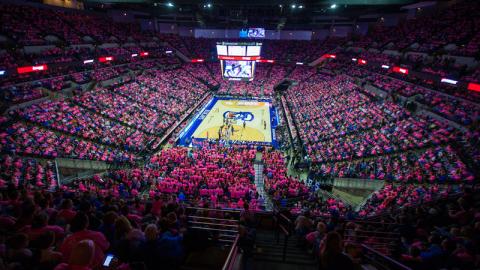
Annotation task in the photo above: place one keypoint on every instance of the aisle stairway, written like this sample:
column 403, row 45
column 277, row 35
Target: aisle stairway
column 268, row 254
column 260, row 184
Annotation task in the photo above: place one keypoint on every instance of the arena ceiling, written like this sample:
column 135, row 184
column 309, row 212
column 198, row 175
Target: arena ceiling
column 263, row 2
column 292, row 14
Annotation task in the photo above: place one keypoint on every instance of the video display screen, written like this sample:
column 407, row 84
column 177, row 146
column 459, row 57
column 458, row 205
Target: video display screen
column 256, row 32
column 222, row 50
column 236, row 50
column 252, row 33
column 238, row 69
column 253, row 50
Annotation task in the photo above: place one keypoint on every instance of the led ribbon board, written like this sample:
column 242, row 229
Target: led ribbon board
column 29, row 69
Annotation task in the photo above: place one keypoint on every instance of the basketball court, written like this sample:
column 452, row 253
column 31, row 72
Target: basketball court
column 233, row 120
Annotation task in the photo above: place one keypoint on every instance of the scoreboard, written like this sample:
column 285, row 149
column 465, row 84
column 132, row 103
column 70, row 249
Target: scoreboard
column 237, row 60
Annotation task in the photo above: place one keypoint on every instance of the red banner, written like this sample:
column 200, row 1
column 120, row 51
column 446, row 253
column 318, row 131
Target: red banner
column 105, row 59
column 400, row 70
column 265, row 61
column 240, row 58
column 29, row 69
column 474, row 87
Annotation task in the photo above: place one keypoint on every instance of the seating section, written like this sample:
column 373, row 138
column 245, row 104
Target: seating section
column 29, row 25
column 277, row 184
column 86, row 218
column 29, row 140
column 72, row 119
column 396, row 197
column 457, row 106
column 341, row 125
column 435, row 164
column 223, row 177
column 429, row 31
column 27, row 173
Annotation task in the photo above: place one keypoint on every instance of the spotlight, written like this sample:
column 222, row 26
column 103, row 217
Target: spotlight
column 294, row 6
column 209, row 5
column 332, row 6
column 300, row 6
column 169, row 4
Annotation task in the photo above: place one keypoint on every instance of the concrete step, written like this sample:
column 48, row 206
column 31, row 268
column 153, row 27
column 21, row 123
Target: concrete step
column 290, row 252
column 279, row 248
column 270, row 252
column 288, row 258
column 279, row 259
column 291, row 241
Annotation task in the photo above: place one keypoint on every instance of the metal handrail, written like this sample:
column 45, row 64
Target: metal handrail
column 221, row 219
column 284, row 230
column 285, row 218
column 213, row 224
column 392, row 262
column 365, row 221
column 284, row 225
column 373, row 232
column 212, row 229
column 232, row 255
column 214, row 209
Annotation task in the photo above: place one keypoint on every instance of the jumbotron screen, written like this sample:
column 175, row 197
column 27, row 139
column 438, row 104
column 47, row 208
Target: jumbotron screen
column 237, row 60
column 252, row 33
column 232, row 69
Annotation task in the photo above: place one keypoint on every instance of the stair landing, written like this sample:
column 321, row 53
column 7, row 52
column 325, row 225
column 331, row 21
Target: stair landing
column 269, row 254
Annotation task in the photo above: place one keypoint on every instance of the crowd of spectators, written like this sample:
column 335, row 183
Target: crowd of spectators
column 349, row 133
column 429, row 31
column 277, row 183
column 432, row 165
column 30, row 140
column 217, row 176
column 27, row 173
column 64, row 116
column 77, row 228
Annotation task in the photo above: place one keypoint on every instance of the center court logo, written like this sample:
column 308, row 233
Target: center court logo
column 242, row 116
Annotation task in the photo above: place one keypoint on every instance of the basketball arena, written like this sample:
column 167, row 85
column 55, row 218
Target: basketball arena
column 239, row 135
